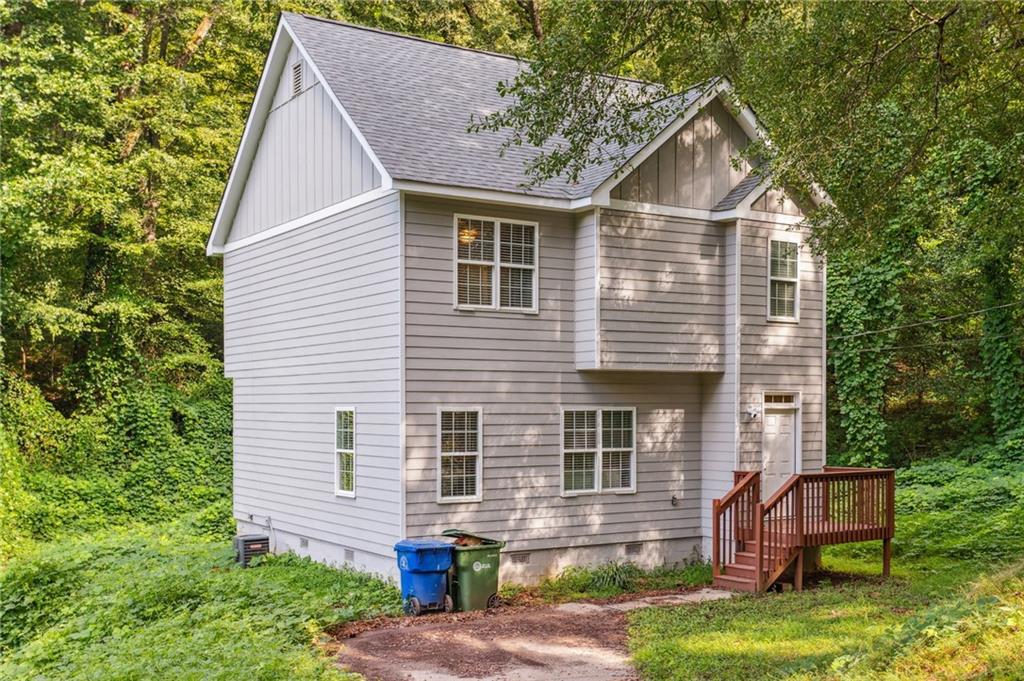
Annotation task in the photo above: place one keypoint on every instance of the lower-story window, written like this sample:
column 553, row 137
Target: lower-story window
column 459, row 455
column 598, row 450
column 345, row 451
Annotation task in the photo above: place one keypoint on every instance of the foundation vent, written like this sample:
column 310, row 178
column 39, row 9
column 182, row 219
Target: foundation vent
column 303, row 543
column 350, row 556
column 634, row 549
column 520, row 558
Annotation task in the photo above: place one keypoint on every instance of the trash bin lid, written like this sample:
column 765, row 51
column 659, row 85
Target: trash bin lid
column 421, row 545
column 462, row 534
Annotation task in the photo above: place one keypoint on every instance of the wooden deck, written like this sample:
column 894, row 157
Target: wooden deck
column 836, row 506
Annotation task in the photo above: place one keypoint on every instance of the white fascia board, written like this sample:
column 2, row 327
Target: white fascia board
column 386, row 180
column 601, row 195
column 704, row 214
column 250, row 141
column 491, row 196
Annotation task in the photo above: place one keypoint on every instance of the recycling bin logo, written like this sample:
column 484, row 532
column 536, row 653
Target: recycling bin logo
column 478, row 566
column 403, row 563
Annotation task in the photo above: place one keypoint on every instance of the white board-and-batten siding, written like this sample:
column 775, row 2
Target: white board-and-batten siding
column 312, row 322
column 307, row 159
column 520, row 369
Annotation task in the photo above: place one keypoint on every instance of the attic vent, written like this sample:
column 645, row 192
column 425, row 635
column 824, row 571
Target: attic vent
column 296, row 78
column 634, row 549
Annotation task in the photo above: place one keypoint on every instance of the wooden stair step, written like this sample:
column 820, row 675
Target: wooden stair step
column 735, row 583
column 740, row 570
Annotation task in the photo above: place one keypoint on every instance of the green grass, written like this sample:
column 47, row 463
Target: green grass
column 158, row 603
column 958, row 520
column 608, row 581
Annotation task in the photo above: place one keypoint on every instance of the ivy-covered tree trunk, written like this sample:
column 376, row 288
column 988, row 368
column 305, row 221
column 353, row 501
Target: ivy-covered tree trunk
column 999, row 348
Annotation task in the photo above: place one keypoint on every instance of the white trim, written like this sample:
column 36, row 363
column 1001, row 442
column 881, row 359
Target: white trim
column 824, row 361
column 796, row 408
column 494, row 196
column 598, row 452
column 479, row 496
column 597, row 287
column 704, row 214
column 261, row 103
column 338, row 492
column 402, row 467
column 385, row 176
column 782, row 238
column 495, row 265
column 602, row 194
column 737, row 345
column 307, row 219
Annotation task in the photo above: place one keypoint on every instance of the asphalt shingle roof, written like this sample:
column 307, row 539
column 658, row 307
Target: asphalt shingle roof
column 738, row 193
column 412, row 99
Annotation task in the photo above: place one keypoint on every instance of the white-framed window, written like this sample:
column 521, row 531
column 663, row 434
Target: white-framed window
column 598, row 450
column 345, row 451
column 783, row 279
column 459, row 455
column 495, row 264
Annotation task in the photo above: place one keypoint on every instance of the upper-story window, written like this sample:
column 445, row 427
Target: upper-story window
column 783, row 280
column 496, row 264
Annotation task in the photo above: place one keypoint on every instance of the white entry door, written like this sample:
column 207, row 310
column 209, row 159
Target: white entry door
column 779, row 449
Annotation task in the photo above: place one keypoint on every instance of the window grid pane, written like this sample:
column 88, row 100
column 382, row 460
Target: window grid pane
column 516, row 287
column 616, row 469
column 475, row 284
column 580, row 430
column 782, row 299
column 344, row 430
column 458, row 475
column 617, row 429
column 517, row 244
column 579, row 471
column 784, row 259
column 346, row 471
column 476, row 240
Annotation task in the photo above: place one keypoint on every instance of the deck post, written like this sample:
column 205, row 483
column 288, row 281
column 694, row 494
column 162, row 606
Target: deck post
column 886, row 556
column 798, row 579
column 715, row 558
column 758, row 546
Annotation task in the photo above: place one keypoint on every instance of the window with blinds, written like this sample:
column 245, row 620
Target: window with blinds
column 783, row 280
column 459, row 452
column 345, row 451
column 598, row 450
column 496, row 264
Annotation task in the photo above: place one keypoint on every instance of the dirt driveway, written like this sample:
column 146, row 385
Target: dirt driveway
column 573, row 641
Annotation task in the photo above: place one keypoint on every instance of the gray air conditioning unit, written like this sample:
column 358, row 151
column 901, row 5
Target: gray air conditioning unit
column 248, row 546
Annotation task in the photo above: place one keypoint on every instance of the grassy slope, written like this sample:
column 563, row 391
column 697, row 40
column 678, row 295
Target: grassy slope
column 956, row 521
column 156, row 603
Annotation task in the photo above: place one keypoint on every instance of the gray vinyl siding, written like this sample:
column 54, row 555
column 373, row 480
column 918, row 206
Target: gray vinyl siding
column 312, row 322
column 307, row 159
column 694, row 168
column 662, row 293
column 519, row 369
column 720, row 407
column 780, row 356
column 586, row 310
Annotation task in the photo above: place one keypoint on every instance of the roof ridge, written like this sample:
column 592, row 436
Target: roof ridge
column 407, row 36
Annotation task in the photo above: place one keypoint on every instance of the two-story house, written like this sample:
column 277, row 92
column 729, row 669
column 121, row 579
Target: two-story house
column 417, row 342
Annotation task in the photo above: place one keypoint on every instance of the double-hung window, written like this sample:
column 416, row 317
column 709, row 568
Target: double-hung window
column 496, row 264
column 459, row 455
column 598, row 450
column 345, row 452
column 783, row 280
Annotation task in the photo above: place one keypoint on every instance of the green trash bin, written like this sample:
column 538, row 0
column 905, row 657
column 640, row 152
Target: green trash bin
column 474, row 572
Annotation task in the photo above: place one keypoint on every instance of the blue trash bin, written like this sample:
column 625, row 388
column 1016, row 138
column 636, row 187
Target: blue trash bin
column 423, row 565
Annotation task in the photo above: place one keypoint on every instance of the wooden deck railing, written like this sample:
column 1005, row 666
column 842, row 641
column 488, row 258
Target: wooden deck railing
column 835, row 506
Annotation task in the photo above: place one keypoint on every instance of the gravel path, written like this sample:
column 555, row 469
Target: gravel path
column 573, row 641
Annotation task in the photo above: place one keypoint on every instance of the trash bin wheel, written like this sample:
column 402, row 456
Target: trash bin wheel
column 492, row 602
column 413, row 606
column 449, row 605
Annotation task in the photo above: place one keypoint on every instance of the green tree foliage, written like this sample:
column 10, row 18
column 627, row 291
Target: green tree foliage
column 907, row 114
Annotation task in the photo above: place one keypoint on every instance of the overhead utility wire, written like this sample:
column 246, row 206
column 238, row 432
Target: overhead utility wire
column 927, row 321
column 953, row 341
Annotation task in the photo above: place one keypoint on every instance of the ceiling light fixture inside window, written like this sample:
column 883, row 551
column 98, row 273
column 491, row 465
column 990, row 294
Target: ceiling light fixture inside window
column 468, row 234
